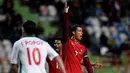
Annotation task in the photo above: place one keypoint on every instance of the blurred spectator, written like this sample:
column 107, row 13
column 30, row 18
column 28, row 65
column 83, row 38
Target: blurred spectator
column 48, row 13
column 40, row 32
column 116, row 5
column 86, row 40
column 98, row 10
column 94, row 45
column 3, row 57
column 8, row 47
column 125, row 47
column 43, row 10
column 7, row 6
column 126, row 51
column 51, row 13
column 76, row 16
column 13, row 24
column 116, row 37
column 103, row 40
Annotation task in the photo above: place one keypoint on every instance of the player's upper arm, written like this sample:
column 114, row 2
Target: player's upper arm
column 14, row 53
column 85, row 55
column 51, row 52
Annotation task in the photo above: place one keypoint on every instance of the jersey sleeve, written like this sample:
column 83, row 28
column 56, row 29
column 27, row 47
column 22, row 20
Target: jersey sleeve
column 85, row 55
column 14, row 53
column 87, row 63
column 51, row 52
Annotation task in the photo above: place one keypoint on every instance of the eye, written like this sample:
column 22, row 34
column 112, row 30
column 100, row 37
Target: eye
column 58, row 43
column 80, row 30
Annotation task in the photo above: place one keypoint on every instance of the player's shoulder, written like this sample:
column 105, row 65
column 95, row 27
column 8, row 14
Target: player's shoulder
column 17, row 42
column 33, row 38
column 69, row 41
column 30, row 38
column 45, row 42
column 82, row 45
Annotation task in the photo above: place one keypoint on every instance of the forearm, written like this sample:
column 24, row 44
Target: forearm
column 60, row 52
column 88, row 65
column 66, row 26
column 60, row 63
column 92, row 64
column 65, row 33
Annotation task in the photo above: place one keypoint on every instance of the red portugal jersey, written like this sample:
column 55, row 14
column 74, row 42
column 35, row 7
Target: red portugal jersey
column 53, row 66
column 74, row 54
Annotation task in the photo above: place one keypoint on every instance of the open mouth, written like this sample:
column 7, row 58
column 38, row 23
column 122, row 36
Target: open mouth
column 80, row 36
column 57, row 49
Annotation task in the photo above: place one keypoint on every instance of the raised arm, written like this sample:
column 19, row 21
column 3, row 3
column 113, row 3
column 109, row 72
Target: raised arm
column 65, row 28
column 66, row 25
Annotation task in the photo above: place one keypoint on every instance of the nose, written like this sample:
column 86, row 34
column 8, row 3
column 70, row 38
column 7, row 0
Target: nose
column 81, row 33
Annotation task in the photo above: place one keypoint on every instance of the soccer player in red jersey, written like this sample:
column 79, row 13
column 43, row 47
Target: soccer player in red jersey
column 53, row 65
column 76, row 53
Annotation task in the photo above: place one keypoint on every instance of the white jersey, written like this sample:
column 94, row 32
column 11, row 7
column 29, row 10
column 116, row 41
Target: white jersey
column 31, row 53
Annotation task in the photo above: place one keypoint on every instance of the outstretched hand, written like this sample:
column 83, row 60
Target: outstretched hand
column 66, row 8
column 97, row 65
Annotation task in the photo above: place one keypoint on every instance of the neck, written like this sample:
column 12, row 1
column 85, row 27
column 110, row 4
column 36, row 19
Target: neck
column 74, row 39
column 28, row 35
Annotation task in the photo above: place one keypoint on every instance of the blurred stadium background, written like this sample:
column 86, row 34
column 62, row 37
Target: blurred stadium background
column 106, row 24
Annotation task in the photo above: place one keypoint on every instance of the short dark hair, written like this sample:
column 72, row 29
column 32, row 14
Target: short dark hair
column 59, row 39
column 73, row 28
column 29, row 27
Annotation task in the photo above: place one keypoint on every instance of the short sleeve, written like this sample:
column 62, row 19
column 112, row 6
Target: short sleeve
column 85, row 55
column 14, row 53
column 51, row 52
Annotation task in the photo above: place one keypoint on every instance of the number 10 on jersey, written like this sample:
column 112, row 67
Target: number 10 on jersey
column 34, row 55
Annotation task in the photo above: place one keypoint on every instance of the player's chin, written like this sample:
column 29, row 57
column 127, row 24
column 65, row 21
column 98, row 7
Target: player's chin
column 80, row 38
